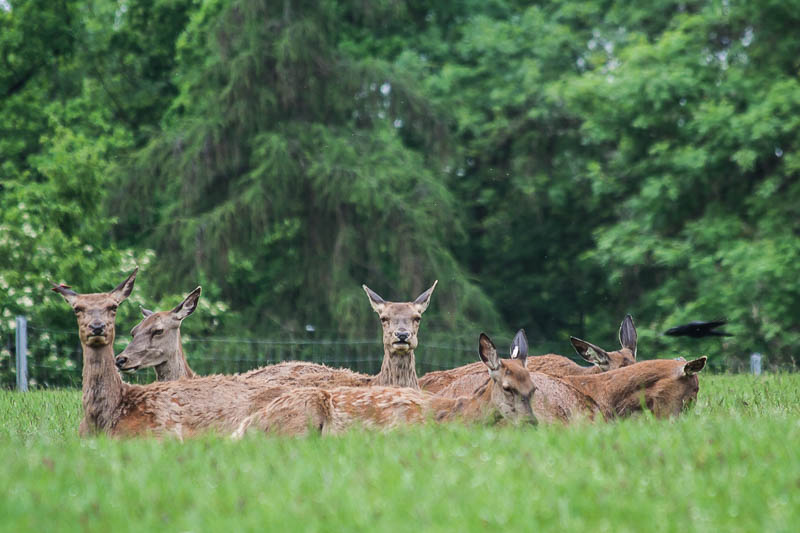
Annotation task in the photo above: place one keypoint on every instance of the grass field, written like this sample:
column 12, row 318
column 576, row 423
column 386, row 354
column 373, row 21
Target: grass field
column 731, row 464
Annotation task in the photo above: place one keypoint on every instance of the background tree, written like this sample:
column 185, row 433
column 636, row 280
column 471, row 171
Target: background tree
column 286, row 175
column 555, row 165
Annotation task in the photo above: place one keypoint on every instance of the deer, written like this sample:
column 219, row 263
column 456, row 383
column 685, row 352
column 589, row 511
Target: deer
column 664, row 387
column 506, row 395
column 156, row 343
column 179, row 408
column 400, row 323
column 552, row 364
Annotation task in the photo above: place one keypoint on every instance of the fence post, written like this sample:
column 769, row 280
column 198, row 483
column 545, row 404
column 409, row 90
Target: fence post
column 22, row 353
column 755, row 363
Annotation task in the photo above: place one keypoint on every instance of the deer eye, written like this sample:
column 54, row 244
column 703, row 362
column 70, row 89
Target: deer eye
column 112, row 309
column 157, row 332
column 384, row 319
column 79, row 310
column 416, row 319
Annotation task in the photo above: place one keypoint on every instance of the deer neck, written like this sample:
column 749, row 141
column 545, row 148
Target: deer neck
column 102, row 387
column 467, row 408
column 397, row 370
column 622, row 389
column 176, row 366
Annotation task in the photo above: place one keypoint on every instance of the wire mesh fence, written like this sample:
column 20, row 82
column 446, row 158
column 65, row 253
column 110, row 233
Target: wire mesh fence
column 55, row 356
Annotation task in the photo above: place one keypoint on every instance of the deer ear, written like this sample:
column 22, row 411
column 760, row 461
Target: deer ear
column 424, row 299
column 188, row 305
column 123, row 290
column 145, row 312
column 64, row 290
column 519, row 347
column 627, row 335
column 375, row 301
column 693, row 367
column 488, row 352
column 590, row 352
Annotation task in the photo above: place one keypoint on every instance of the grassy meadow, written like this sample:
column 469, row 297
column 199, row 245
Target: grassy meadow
column 731, row 464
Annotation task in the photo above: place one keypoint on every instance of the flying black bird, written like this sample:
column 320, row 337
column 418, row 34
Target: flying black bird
column 699, row 329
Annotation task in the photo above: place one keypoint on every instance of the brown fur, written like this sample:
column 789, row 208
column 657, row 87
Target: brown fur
column 181, row 408
column 553, row 400
column 156, row 342
column 665, row 386
column 296, row 412
column 400, row 322
column 552, row 364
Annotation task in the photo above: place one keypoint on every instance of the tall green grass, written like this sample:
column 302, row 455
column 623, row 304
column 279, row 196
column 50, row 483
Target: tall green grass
column 731, row 464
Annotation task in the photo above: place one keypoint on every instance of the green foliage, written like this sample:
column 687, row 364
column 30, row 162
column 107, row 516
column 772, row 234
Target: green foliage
column 696, row 128
column 554, row 165
column 61, row 139
column 731, row 464
column 283, row 150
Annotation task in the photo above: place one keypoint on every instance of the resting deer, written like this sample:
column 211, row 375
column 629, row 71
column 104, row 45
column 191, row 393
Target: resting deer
column 554, row 365
column 663, row 386
column 181, row 408
column 156, row 342
column 400, row 322
column 506, row 394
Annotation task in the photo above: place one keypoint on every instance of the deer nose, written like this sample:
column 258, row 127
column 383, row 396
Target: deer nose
column 121, row 360
column 97, row 328
column 402, row 335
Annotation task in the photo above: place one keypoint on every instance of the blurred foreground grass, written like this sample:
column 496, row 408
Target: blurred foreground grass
column 731, row 464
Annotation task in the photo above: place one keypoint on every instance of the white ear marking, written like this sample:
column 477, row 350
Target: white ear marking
column 515, row 352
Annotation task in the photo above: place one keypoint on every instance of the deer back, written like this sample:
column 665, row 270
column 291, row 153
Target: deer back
column 553, row 400
column 312, row 409
column 552, row 364
column 186, row 407
column 663, row 386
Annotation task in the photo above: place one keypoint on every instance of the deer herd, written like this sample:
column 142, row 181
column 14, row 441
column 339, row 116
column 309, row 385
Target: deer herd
column 296, row 398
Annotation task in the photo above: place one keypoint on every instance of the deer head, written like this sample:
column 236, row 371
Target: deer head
column 97, row 312
column 679, row 390
column 625, row 356
column 157, row 339
column 512, row 387
column 400, row 320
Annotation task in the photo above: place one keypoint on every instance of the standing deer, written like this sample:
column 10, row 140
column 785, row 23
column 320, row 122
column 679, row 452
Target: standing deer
column 506, row 394
column 180, row 408
column 156, row 342
column 554, row 365
column 664, row 386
